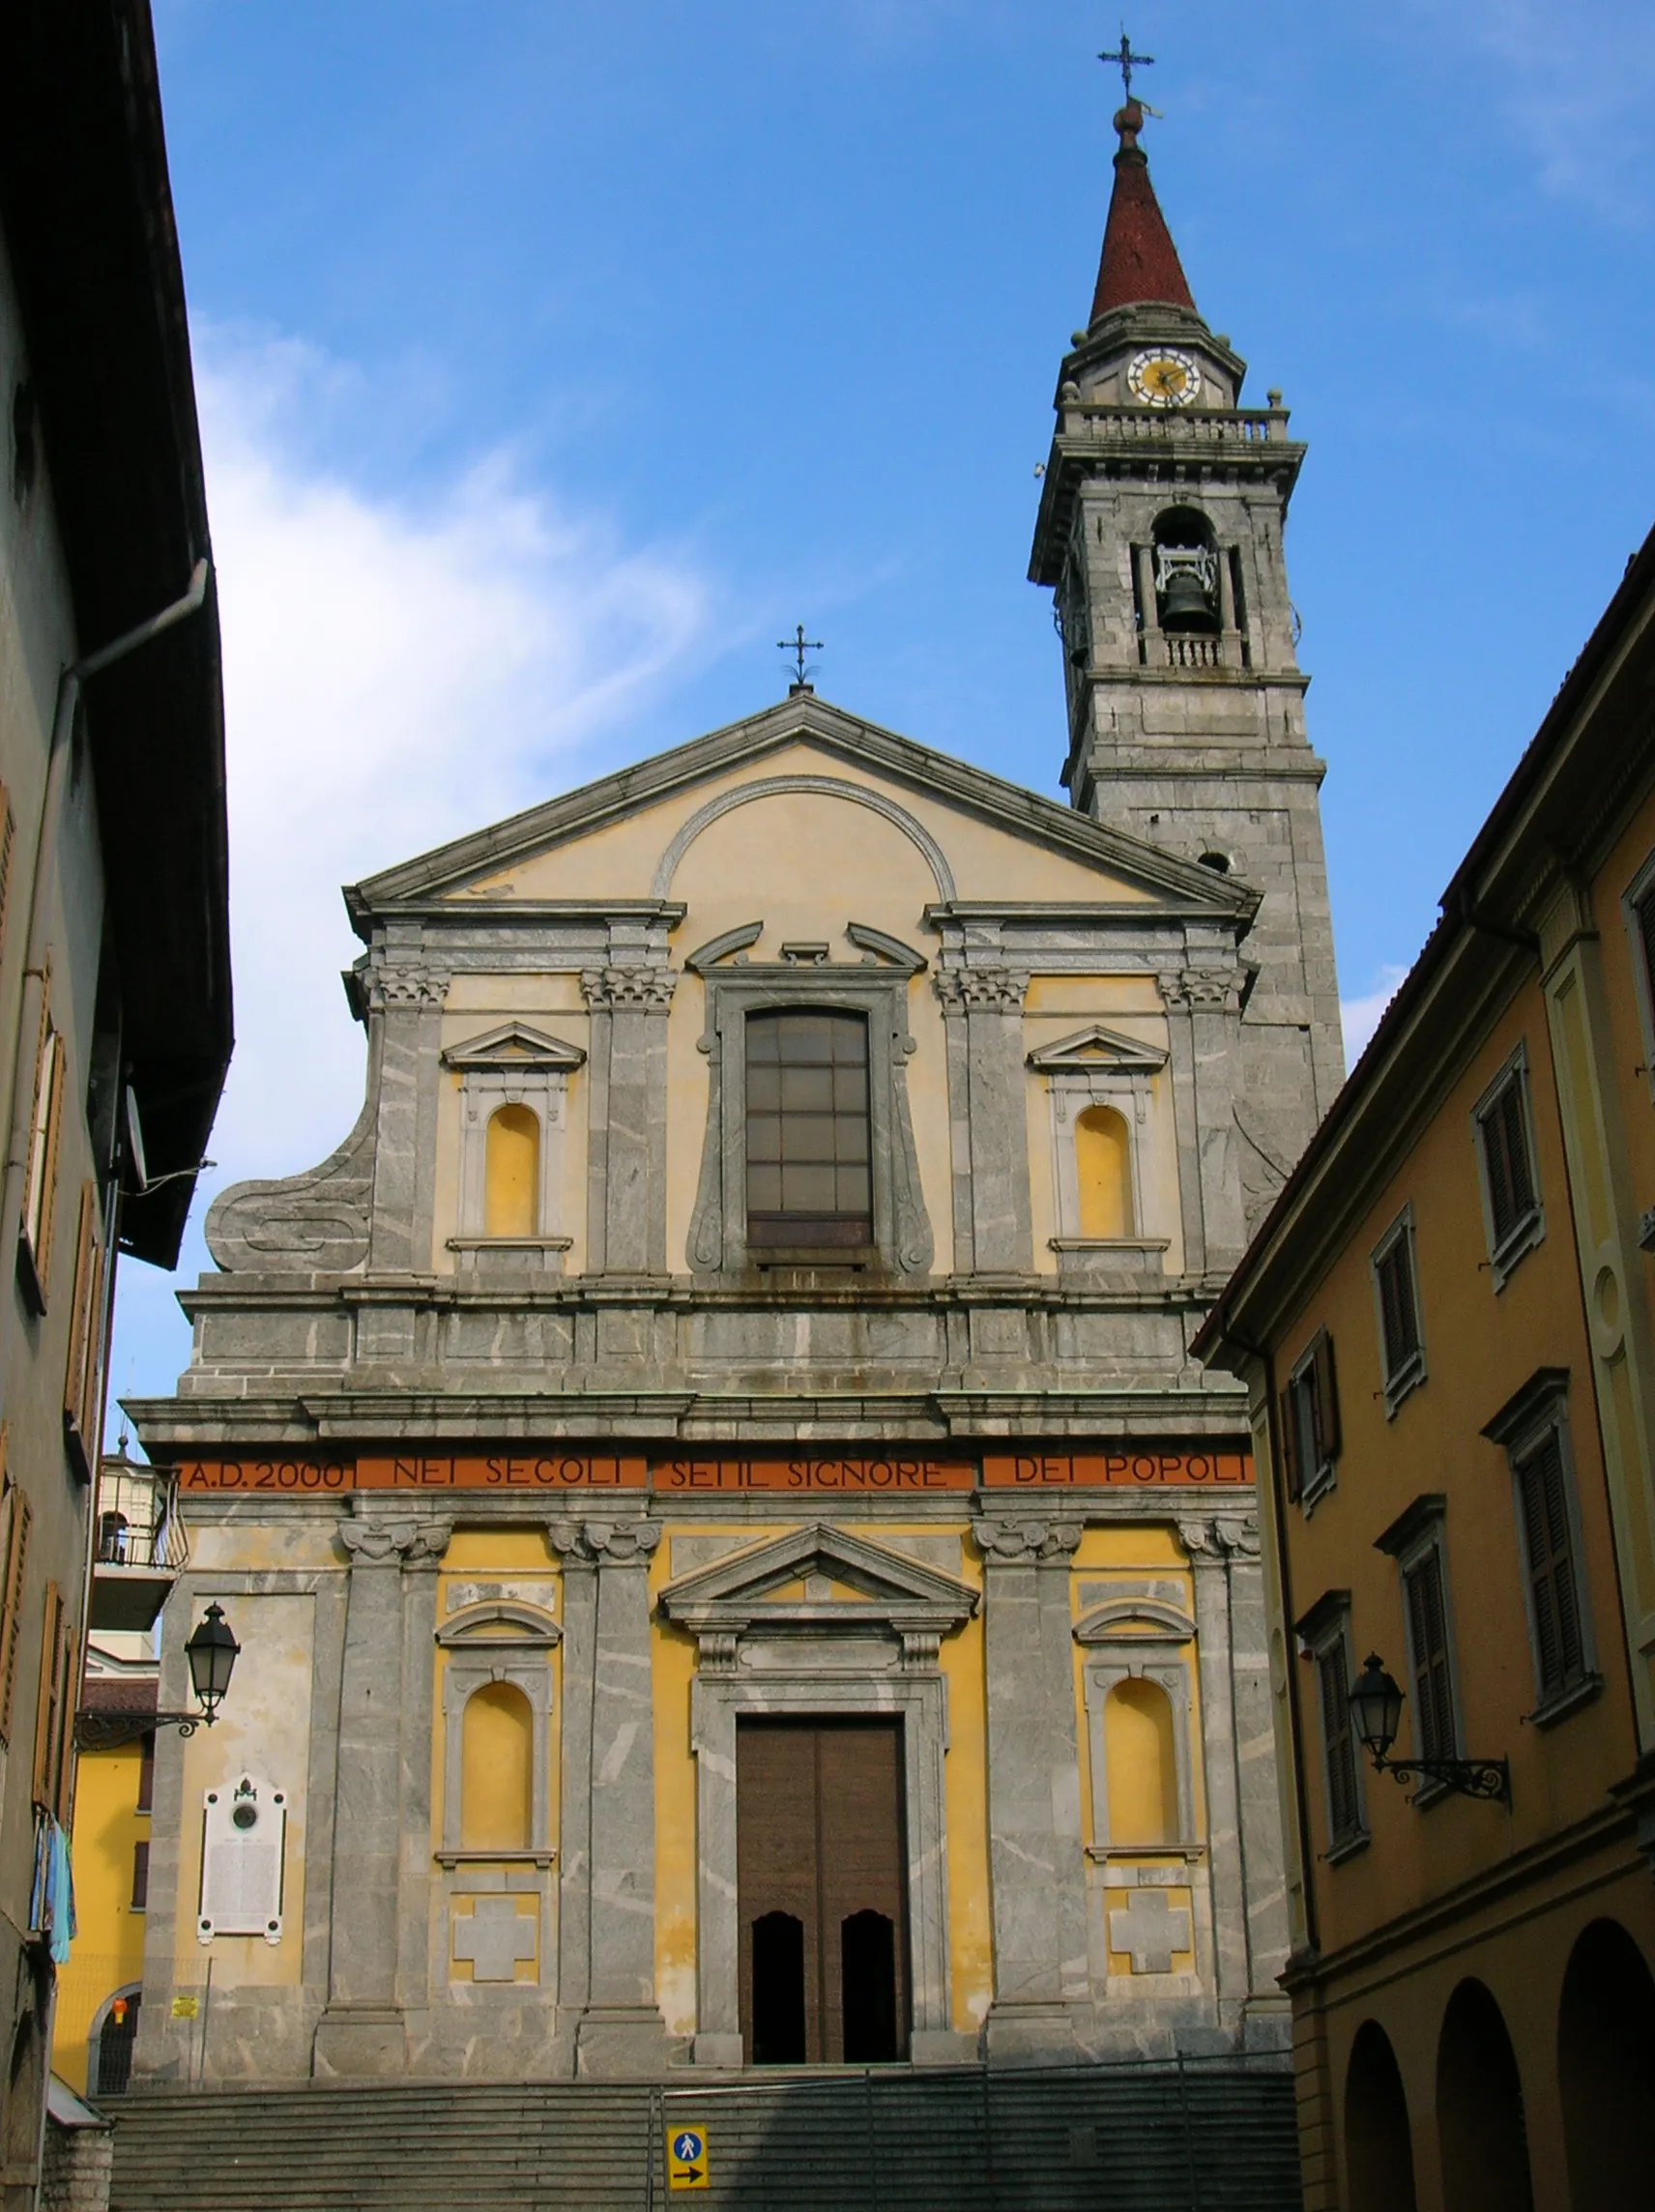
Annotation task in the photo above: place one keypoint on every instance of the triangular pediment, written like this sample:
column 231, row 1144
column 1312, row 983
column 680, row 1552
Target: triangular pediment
column 811, row 746
column 759, row 1587
column 514, row 1044
column 1096, row 1050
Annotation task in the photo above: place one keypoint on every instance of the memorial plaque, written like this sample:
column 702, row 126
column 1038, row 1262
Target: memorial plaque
column 243, row 1841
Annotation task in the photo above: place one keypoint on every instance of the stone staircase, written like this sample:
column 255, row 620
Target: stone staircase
column 1207, row 2138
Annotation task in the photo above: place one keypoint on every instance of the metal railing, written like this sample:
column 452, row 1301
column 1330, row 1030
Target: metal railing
column 1177, row 2135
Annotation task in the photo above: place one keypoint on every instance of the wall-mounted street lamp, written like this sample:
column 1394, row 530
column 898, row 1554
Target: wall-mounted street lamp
column 212, row 1650
column 1376, row 1710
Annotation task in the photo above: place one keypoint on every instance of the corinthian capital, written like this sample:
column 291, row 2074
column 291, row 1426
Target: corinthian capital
column 407, row 1544
column 405, row 984
column 1000, row 990
column 1021, row 1541
column 605, row 1543
column 631, row 986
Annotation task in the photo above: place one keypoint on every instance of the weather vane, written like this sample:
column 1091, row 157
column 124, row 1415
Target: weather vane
column 1126, row 60
column 798, row 645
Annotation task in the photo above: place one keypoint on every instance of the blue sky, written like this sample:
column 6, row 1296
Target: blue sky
column 555, row 361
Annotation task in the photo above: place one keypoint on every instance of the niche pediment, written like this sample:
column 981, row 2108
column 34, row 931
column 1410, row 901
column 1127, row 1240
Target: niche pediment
column 499, row 1624
column 1097, row 1051
column 514, row 1045
column 820, row 1581
column 1135, row 1619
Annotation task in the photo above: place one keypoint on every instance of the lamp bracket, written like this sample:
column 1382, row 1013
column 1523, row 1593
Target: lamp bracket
column 95, row 1731
column 1485, row 1778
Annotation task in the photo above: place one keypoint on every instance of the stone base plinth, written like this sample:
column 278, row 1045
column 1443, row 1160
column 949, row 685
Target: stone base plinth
column 1039, row 2034
column 361, row 2043
column 619, row 2040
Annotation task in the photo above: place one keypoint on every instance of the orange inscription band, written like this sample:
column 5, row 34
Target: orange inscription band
column 504, row 1470
column 546, row 1471
column 842, row 1475
column 268, row 1474
column 528, row 1470
column 1117, row 1471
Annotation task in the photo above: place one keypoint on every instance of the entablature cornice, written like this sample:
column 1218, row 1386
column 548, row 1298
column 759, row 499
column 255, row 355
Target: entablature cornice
column 174, row 1427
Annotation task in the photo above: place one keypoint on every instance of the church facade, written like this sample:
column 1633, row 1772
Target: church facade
column 735, row 1561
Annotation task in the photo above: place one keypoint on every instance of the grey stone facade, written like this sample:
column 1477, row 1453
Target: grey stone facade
column 659, row 1480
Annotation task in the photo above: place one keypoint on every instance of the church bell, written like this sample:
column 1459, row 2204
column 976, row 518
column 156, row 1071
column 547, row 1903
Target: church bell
column 1187, row 596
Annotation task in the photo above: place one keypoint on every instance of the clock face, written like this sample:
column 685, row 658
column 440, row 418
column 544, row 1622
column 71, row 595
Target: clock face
column 1165, row 377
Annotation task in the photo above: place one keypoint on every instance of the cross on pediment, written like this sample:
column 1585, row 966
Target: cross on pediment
column 1149, row 1930
column 494, row 1936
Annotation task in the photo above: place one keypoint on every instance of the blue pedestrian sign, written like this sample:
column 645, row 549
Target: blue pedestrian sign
column 686, row 2158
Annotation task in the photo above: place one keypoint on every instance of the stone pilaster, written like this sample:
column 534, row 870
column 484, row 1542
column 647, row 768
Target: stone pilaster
column 608, row 1916
column 1210, row 1558
column 361, row 2031
column 626, row 1220
column 405, row 1000
column 1035, row 1864
column 1181, row 1042
column 987, row 1004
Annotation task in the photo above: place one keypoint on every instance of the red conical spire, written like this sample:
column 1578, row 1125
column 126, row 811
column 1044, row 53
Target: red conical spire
column 1140, row 261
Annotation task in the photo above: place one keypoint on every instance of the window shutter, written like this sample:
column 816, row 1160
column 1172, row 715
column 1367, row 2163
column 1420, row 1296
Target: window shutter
column 11, row 1609
column 74, row 1371
column 140, row 1874
column 48, row 1703
column 43, row 1244
column 1286, row 1429
column 1552, row 1587
column 1646, row 933
column 1505, row 1157
column 1342, row 1812
column 1327, row 1431
column 1428, row 1635
column 8, row 834
column 1397, row 1307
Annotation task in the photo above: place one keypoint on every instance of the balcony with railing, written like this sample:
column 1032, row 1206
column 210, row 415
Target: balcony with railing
column 140, row 1546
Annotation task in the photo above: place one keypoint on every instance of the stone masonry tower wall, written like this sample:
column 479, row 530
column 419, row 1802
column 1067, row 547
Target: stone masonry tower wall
column 1161, row 535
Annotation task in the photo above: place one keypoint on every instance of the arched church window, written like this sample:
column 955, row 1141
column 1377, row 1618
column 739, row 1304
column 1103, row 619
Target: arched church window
column 808, row 1164
column 1141, row 1764
column 497, row 1763
column 1186, row 572
column 1103, row 1173
column 511, row 1174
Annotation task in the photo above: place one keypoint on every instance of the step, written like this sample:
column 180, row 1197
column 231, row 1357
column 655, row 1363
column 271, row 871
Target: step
column 1132, row 2139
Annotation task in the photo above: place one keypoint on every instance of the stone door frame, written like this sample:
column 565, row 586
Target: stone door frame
column 823, row 1691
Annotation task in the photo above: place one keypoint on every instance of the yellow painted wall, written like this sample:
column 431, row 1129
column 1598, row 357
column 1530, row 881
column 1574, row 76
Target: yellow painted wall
column 1480, row 1346
column 108, row 1949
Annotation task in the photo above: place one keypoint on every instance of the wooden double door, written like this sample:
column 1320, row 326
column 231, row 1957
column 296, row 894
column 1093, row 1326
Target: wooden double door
column 821, row 1885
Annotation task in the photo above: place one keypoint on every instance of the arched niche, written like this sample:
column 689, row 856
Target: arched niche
column 1103, row 1173
column 1136, row 1669
column 499, row 1645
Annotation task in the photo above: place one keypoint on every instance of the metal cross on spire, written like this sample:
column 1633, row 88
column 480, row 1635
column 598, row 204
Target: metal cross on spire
column 1126, row 60
column 798, row 645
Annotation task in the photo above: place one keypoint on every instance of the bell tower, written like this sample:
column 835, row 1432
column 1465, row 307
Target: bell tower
column 1160, row 533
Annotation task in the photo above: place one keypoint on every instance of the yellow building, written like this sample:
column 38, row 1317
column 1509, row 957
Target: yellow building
column 139, row 1545
column 1445, row 1327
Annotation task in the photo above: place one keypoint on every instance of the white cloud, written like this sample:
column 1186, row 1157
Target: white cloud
column 1361, row 1017
column 394, row 676
column 1579, row 85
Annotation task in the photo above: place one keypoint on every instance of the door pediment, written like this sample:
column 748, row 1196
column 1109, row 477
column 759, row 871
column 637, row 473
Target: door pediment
column 798, row 1584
